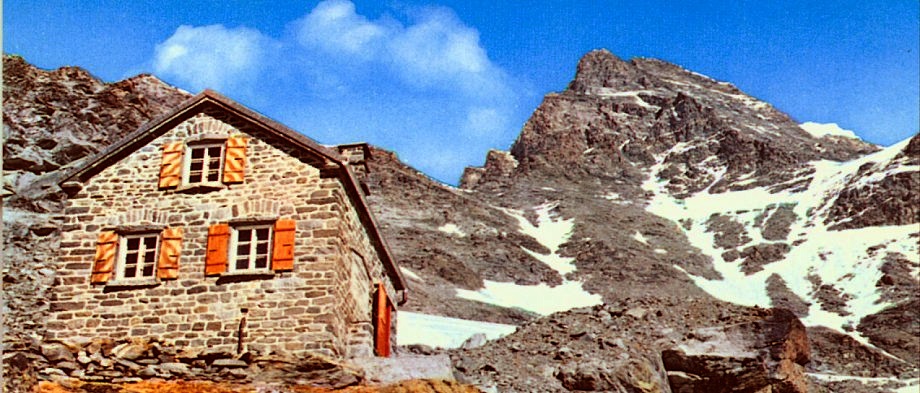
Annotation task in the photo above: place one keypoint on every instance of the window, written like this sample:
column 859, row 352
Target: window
column 204, row 164
column 138, row 256
column 251, row 248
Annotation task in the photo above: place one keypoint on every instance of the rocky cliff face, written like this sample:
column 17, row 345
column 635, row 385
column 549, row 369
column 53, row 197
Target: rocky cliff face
column 676, row 201
column 54, row 118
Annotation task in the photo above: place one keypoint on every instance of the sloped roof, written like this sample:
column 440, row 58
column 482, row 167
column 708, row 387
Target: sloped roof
column 161, row 124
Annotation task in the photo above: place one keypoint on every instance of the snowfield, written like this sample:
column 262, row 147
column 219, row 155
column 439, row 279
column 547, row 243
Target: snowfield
column 444, row 332
column 838, row 258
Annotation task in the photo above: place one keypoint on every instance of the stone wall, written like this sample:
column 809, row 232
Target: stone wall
column 318, row 307
column 130, row 360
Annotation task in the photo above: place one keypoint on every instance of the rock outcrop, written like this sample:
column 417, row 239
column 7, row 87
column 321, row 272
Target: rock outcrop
column 647, row 346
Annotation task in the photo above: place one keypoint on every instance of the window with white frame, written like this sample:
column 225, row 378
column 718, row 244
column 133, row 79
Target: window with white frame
column 137, row 257
column 204, row 163
column 250, row 248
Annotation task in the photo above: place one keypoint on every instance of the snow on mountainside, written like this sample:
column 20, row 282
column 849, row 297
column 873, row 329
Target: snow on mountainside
column 678, row 185
column 551, row 233
column 832, row 272
column 831, row 129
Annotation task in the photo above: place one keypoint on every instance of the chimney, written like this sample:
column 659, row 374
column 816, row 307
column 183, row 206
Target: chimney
column 356, row 156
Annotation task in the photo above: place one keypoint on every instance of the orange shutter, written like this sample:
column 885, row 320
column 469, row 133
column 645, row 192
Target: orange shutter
column 235, row 161
column 283, row 249
column 170, row 248
column 382, row 318
column 104, row 262
column 171, row 165
column 218, row 239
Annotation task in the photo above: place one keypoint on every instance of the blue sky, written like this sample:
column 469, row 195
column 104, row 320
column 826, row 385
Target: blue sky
column 440, row 83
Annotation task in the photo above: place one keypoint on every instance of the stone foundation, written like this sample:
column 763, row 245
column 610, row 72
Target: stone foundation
column 132, row 360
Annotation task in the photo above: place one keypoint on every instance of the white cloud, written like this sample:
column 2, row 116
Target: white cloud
column 333, row 26
column 439, row 48
column 211, row 56
column 437, row 51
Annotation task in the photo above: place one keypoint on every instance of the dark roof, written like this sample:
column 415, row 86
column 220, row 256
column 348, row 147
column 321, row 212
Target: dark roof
column 160, row 124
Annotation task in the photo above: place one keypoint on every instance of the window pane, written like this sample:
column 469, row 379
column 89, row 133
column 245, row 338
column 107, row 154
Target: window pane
column 148, row 270
column 213, row 176
column 261, row 262
column 131, row 271
column 242, row 250
column 262, row 233
column 214, row 152
column 242, row 263
column 134, row 243
column 245, row 235
column 150, row 256
column 262, row 248
column 150, row 242
column 197, row 153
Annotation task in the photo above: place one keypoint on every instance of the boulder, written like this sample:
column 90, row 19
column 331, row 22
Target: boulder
column 230, row 363
column 767, row 353
column 130, row 350
column 178, row 369
column 57, row 352
column 600, row 375
column 476, row 340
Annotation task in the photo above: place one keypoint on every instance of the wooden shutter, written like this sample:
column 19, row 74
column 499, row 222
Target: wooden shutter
column 235, row 161
column 218, row 240
column 171, row 165
column 283, row 249
column 382, row 322
column 170, row 248
column 104, row 261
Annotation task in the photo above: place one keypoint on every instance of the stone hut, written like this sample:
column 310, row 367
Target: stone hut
column 214, row 228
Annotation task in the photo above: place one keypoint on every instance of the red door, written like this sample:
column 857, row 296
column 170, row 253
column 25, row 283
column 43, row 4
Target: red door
column 383, row 317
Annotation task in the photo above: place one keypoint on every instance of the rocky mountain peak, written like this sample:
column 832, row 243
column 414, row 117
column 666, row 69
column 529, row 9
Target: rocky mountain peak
column 618, row 118
column 601, row 68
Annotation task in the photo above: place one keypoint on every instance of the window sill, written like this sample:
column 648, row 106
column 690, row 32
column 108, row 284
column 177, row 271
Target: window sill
column 249, row 273
column 139, row 283
column 200, row 187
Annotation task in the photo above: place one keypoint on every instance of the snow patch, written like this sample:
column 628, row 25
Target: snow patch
column 910, row 385
column 444, row 332
column 551, row 232
column 633, row 94
column 819, row 130
column 541, row 298
column 640, row 238
column 451, row 229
